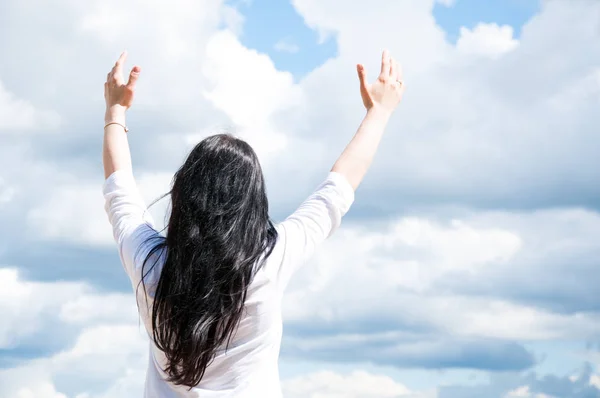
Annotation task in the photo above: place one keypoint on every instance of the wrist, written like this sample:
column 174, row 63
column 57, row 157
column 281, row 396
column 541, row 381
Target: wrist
column 379, row 112
column 115, row 113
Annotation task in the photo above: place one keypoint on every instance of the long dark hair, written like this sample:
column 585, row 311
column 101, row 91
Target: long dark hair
column 218, row 235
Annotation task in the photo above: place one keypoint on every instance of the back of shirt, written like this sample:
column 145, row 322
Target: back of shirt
column 248, row 367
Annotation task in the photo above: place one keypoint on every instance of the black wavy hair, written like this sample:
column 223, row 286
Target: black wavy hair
column 218, row 235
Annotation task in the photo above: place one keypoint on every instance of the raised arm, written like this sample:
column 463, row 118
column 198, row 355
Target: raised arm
column 131, row 223
column 380, row 99
column 321, row 213
column 119, row 97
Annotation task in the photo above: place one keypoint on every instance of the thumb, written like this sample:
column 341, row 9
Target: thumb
column 362, row 75
column 133, row 76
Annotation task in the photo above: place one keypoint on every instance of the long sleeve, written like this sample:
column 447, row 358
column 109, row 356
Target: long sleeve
column 315, row 220
column 132, row 224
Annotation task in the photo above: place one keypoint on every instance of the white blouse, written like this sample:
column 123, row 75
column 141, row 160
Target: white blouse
column 249, row 367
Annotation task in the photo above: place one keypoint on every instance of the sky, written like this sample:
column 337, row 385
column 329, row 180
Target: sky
column 466, row 266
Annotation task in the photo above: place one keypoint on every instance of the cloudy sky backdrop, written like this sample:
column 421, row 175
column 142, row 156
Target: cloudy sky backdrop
column 468, row 266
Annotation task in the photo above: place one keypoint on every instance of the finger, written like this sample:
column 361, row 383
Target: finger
column 118, row 68
column 133, row 77
column 115, row 77
column 393, row 69
column 362, row 76
column 121, row 59
column 385, row 64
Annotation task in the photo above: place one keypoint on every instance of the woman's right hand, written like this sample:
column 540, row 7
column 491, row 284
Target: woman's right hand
column 119, row 94
column 386, row 92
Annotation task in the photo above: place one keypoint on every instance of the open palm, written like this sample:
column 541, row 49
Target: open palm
column 116, row 91
column 386, row 92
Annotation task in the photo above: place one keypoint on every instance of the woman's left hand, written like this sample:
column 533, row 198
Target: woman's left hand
column 118, row 94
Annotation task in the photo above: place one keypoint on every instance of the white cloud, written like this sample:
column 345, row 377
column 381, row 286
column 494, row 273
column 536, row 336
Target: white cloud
column 527, row 385
column 400, row 278
column 44, row 389
column 247, row 87
column 18, row 114
column 74, row 211
column 171, row 23
column 6, row 192
column 97, row 308
column 523, row 392
column 232, row 69
column 358, row 384
column 423, row 249
column 234, row 20
column 106, row 361
column 110, row 345
column 489, row 40
column 25, row 306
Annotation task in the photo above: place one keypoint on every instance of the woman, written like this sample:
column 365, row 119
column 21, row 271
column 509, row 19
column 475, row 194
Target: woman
column 211, row 290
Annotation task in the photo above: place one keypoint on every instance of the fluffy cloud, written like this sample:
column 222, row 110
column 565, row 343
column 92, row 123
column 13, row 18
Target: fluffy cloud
column 488, row 40
column 426, row 293
column 24, row 306
column 74, row 211
column 358, row 384
column 524, row 392
column 530, row 385
column 247, row 87
column 96, row 335
column 106, row 361
column 17, row 114
column 6, row 192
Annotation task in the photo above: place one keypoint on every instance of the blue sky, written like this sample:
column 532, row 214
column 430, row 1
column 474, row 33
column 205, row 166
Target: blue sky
column 268, row 22
column 465, row 267
column 469, row 13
